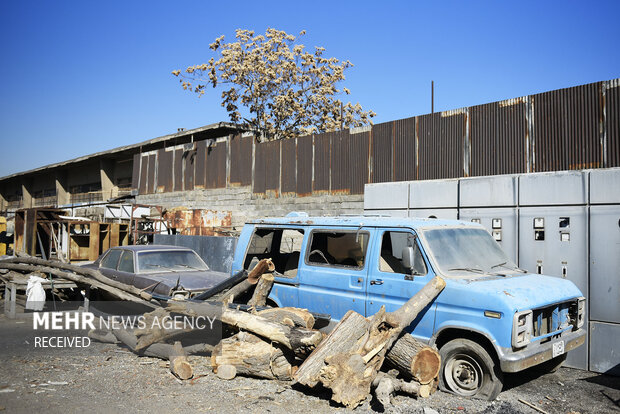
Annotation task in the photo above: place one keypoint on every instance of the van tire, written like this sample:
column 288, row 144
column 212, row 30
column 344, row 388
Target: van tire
column 469, row 371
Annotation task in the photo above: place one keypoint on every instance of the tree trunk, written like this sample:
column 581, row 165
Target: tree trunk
column 300, row 340
column 159, row 350
column 386, row 384
column 261, row 267
column 179, row 365
column 349, row 373
column 251, row 356
column 121, row 294
column 156, row 329
column 345, row 336
column 414, row 359
column 263, row 287
column 84, row 271
column 289, row 316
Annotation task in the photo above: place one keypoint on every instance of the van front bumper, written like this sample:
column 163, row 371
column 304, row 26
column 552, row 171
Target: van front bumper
column 536, row 353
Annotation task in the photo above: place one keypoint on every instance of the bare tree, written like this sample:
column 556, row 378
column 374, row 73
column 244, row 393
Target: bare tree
column 275, row 87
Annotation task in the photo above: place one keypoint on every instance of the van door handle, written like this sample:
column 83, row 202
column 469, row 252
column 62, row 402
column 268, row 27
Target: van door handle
column 376, row 282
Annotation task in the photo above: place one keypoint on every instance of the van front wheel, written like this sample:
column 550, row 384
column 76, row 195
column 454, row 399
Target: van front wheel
column 469, row 370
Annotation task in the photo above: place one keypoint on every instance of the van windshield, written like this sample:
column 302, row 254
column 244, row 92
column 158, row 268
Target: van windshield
column 464, row 251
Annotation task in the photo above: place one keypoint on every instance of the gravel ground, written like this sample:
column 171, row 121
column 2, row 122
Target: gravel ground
column 107, row 378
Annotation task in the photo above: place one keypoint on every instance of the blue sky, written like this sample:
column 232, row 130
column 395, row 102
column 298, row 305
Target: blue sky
column 81, row 77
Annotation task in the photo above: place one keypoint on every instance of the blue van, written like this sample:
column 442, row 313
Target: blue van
column 492, row 317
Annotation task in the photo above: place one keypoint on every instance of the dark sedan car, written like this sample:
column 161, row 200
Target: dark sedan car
column 163, row 271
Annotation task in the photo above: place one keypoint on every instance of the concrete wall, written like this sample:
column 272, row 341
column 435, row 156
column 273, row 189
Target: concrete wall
column 245, row 205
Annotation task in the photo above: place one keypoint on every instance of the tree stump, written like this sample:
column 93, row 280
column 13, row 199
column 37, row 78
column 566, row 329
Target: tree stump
column 179, row 365
column 414, row 359
column 252, row 356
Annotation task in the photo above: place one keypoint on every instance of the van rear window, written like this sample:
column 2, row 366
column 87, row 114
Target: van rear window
column 331, row 248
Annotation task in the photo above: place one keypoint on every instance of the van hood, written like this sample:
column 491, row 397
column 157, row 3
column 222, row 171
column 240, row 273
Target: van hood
column 518, row 292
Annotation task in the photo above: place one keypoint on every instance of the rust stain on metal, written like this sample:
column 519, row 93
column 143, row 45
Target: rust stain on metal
column 199, row 222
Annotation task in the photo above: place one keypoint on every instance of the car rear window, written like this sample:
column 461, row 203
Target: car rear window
column 111, row 259
column 170, row 261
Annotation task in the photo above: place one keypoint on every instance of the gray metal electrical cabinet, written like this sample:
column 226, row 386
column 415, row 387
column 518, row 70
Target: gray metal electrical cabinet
column 604, row 355
column 386, row 212
column 492, row 201
column 439, row 213
column 434, row 199
column 604, row 298
column 392, row 196
column 553, row 233
column 605, row 263
column 554, row 241
column 501, row 223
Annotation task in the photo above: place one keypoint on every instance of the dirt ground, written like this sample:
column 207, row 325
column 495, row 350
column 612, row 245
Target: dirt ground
column 107, row 378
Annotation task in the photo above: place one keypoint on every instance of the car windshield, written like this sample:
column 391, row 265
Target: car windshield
column 467, row 252
column 169, row 261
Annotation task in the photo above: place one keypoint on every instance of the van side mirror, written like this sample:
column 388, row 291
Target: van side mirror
column 408, row 258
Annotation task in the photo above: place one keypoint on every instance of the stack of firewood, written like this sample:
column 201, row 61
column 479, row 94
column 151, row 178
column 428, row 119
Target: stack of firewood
column 359, row 356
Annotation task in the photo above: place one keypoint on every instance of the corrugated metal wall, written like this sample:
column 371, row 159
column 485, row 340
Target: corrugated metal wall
column 567, row 129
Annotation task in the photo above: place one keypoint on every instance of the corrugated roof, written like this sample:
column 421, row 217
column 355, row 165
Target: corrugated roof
column 224, row 126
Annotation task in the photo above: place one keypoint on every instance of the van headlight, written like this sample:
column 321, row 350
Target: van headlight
column 522, row 329
column 581, row 311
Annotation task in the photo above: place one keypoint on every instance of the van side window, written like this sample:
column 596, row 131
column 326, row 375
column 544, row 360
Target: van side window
column 347, row 249
column 391, row 259
column 282, row 246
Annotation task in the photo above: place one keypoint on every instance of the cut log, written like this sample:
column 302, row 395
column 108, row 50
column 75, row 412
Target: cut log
column 261, row 267
column 158, row 350
column 84, row 280
column 289, row 316
column 226, row 372
column 252, row 356
column 102, row 335
column 346, row 336
column 414, row 359
column 156, row 329
column 350, row 373
column 300, row 340
column 84, row 271
column 386, row 384
column 261, row 292
column 179, row 365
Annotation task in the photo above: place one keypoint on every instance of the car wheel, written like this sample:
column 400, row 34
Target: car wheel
column 552, row 365
column 468, row 370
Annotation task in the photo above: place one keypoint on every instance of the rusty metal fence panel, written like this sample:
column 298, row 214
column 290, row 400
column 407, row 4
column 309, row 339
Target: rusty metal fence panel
column 360, row 155
column 216, row 165
column 340, row 162
column 321, row 163
column 178, row 170
column 404, row 150
column 573, row 128
column 259, row 186
column 511, row 135
column 566, row 129
column 304, row 165
column 152, row 174
column 189, row 158
column 381, row 153
column 144, row 169
column 135, row 173
column 164, row 171
column 289, row 166
column 483, row 137
column 612, row 101
column 200, row 165
column 241, row 160
column 272, row 166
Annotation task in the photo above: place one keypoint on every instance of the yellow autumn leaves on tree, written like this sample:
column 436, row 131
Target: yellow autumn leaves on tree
column 275, row 87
